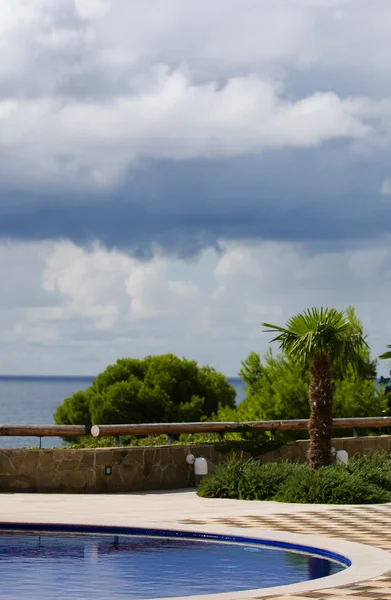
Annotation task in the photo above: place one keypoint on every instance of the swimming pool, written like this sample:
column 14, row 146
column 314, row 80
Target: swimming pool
column 118, row 563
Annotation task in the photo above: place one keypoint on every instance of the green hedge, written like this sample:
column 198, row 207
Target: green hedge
column 366, row 480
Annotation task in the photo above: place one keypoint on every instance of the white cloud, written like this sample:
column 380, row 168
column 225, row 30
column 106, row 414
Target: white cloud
column 93, row 9
column 97, row 306
column 85, row 281
column 91, row 86
column 94, row 142
column 154, row 295
column 112, row 38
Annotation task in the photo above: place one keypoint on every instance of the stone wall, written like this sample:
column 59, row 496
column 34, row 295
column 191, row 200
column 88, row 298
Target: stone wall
column 297, row 451
column 110, row 470
column 85, row 471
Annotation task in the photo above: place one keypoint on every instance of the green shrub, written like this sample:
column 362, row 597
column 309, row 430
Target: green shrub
column 296, row 487
column 375, row 467
column 365, row 481
column 330, row 485
column 245, row 480
column 260, row 482
column 224, row 482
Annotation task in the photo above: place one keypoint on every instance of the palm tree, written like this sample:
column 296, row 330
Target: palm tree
column 322, row 338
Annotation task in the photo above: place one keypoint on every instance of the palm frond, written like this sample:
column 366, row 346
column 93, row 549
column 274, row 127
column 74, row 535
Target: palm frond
column 322, row 331
column 386, row 355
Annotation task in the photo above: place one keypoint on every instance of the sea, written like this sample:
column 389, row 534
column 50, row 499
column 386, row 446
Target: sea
column 33, row 401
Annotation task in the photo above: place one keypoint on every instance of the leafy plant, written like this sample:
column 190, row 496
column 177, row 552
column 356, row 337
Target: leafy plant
column 245, row 480
column 330, row 485
column 365, row 481
column 375, row 467
column 224, row 483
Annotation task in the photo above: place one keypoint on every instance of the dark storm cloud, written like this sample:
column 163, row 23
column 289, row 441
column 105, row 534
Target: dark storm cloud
column 314, row 196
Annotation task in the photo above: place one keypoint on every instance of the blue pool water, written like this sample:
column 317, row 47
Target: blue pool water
column 69, row 566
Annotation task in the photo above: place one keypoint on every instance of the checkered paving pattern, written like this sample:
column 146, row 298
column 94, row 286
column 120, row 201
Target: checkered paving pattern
column 368, row 525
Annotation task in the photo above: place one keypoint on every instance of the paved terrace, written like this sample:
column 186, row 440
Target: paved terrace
column 365, row 524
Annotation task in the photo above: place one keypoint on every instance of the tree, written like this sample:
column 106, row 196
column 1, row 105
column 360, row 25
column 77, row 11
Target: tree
column 251, row 372
column 277, row 389
column 323, row 339
column 156, row 389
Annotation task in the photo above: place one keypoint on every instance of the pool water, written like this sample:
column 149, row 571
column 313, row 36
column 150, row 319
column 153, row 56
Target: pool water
column 73, row 566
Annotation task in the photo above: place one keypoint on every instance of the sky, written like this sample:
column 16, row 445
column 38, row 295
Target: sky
column 172, row 174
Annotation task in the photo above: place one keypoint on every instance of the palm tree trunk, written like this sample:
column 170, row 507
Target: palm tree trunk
column 321, row 416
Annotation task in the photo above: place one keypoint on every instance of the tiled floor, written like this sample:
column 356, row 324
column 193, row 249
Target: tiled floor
column 369, row 525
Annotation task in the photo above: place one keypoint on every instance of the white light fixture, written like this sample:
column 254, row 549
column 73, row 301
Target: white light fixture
column 341, row 457
column 200, row 465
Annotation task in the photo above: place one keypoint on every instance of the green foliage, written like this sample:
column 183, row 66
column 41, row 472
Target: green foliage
column 74, row 410
column 386, row 381
column 374, row 467
column 318, row 331
column 251, row 371
column 386, row 355
column 224, row 483
column 253, row 444
column 330, row 485
column 277, row 389
column 91, row 442
column 245, row 480
column 358, row 397
column 365, row 481
column 156, row 389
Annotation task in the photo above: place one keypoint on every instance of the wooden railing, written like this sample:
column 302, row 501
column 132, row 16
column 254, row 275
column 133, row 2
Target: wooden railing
column 228, row 426
column 44, row 430
column 41, row 431
column 170, row 429
column 221, row 428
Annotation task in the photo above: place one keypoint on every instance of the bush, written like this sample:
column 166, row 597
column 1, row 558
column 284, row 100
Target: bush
column 365, row 481
column 156, row 389
column 225, row 481
column 245, row 480
column 262, row 482
column 330, row 485
column 375, row 467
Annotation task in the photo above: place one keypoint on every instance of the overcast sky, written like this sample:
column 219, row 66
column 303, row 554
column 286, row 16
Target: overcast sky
column 174, row 173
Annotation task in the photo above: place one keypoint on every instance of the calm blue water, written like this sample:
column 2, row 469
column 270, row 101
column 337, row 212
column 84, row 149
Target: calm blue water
column 33, row 401
column 69, row 566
